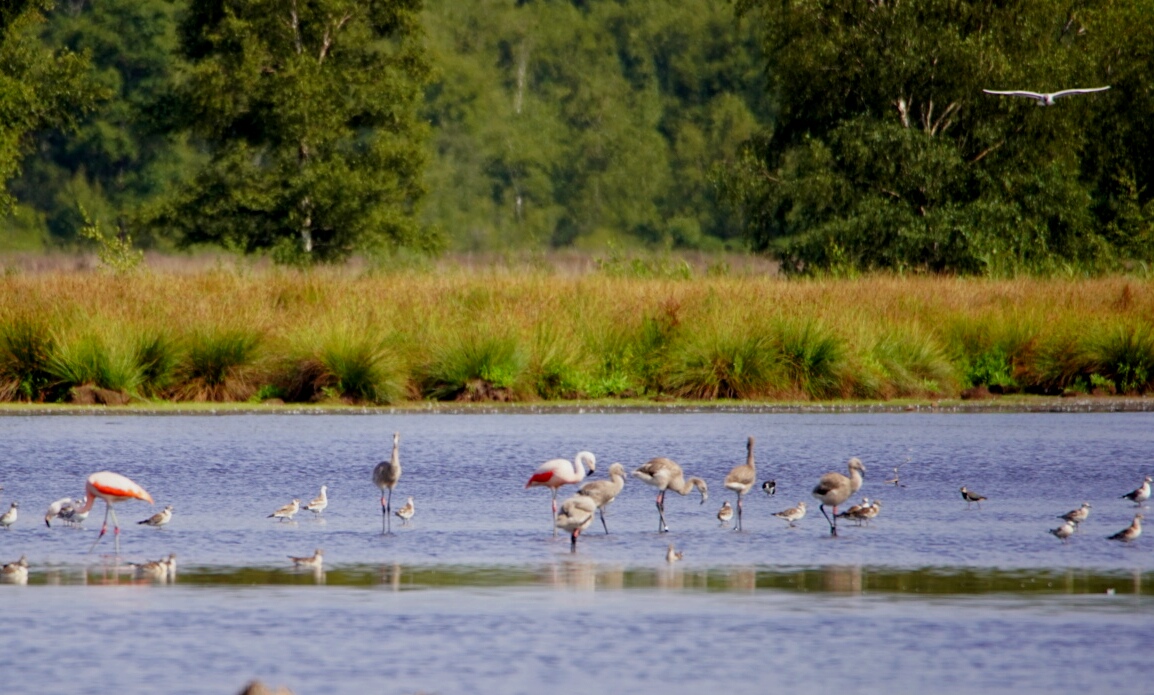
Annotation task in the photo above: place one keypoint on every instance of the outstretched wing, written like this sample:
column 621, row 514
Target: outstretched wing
column 1028, row 95
column 1087, row 90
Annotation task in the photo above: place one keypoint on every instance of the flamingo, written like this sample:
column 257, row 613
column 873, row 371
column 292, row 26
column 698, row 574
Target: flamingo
column 385, row 475
column 160, row 518
column 665, row 474
column 742, row 479
column 557, row 472
column 603, row 492
column 57, row 509
column 834, row 488
column 575, row 516
column 112, row 488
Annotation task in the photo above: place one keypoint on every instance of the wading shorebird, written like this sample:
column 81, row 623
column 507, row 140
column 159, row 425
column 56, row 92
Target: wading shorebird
column 792, row 514
column 603, row 492
column 15, row 572
column 834, row 489
column 160, row 518
column 1046, row 98
column 113, row 488
column 857, row 512
column 769, row 487
column 575, row 515
column 9, row 517
column 725, row 514
column 971, row 498
column 1064, row 531
column 157, row 570
column 1131, row 532
column 56, row 510
column 317, row 504
column 556, row 473
column 870, row 513
column 1077, row 516
column 1140, row 495
column 665, row 474
column 672, row 555
column 385, row 476
column 742, row 478
column 75, row 515
column 406, row 512
column 287, row 512
column 312, row 562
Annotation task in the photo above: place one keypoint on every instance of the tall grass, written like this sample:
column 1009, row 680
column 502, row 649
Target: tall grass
column 324, row 335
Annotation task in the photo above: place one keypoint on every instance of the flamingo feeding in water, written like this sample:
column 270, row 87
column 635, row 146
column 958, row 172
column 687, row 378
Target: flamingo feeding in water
column 834, row 489
column 386, row 475
column 665, row 474
column 112, row 488
column 575, row 516
column 603, row 492
column 557, row 472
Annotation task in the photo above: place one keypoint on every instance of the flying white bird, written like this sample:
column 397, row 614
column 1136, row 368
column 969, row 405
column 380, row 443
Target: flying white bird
column 1047, row 99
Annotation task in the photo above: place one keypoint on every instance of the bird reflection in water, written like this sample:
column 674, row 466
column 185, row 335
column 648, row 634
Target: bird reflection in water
column 571, row 574
column 842, row 580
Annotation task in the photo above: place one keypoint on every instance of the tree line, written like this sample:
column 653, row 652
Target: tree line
column 838, row 136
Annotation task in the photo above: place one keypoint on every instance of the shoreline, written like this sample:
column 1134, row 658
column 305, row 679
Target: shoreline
column 1006, row 404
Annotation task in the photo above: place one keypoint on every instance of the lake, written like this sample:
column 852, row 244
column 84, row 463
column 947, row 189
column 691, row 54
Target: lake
column 477, row 595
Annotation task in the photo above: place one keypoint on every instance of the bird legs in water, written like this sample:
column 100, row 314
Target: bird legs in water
column 601, row 511
column 104, row 528
column 386, row 507
column 573, row 540
column 832, row 522
column 738, row 527
column 662, row 527
column 555, row 517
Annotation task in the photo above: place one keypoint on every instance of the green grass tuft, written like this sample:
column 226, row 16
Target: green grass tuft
column 477, row 368
column 26, row 349
column 1125, row 356
column 812, row 357
column 732, row 364
column 218, row 365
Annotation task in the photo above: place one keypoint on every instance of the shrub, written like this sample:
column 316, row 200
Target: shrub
column 219, row 365
column 728, row 364
column 477, row 368
column 812, row 358
column 1125, row 356
column 26, row 349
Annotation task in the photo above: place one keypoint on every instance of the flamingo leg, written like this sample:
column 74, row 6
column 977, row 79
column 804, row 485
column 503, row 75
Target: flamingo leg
column 389, row 512
column 738, row 527
column 832, row 522
column 115, row 529
column 573, row 540
column 662, row 527
column 103, row 527
column 384, row 513
column 602, row 511
column 555, row 514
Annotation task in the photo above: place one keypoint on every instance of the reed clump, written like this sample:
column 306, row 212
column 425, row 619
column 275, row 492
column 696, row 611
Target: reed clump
column 333, row 336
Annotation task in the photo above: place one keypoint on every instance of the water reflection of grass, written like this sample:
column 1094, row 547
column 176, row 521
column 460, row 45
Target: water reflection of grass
column 588, row 576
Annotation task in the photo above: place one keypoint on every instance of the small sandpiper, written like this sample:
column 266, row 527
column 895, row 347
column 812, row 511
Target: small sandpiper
column 971, row 497
column 15, row 572
column 1064, row 531
column 792, row 514
column 160, row 518
column 313, row 562
column 1077, row 516
column 1140, row 495
column 672, row 555
column 1131, row 532
column 406, row 512
column 725, row 514
column 287, row 511
column 317, row 504
column 9, row 517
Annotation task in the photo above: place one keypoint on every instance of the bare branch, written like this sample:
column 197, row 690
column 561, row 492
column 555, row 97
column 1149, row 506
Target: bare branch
column 328, row 40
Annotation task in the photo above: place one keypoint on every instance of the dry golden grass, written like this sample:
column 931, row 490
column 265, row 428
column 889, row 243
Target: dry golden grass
column 615, row 336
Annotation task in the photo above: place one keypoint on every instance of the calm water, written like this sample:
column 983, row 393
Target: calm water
column 477, row 596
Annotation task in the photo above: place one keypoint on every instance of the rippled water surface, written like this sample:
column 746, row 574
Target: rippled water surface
column 478, row 596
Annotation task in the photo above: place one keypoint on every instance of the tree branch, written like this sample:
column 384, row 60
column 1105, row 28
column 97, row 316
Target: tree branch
column 328, row 40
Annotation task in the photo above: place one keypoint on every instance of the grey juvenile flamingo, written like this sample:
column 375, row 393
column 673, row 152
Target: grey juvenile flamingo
column 385, row 475
column 664, row 474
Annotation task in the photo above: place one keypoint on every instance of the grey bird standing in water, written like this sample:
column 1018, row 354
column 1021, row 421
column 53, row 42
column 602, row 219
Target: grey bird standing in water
column 742, row 479
column 386, row 475
column 834, row 489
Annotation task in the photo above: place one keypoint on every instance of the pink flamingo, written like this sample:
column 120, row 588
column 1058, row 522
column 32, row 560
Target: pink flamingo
column 112, row 488
column 557, row 472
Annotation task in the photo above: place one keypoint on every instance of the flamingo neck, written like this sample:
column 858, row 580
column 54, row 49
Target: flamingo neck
column 90, row 499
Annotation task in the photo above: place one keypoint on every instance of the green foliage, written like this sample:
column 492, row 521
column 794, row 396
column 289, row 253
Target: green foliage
column 991, row 368
column 342, row 364
column 308, row 108
column 26, row 349
column 895, row 159
column 477, row 368
column 218, row 365
column 90, row 360
column 728, row 362
column 910, row 363
column 812, row 357
column 40, row 87
column 116, row 253
column 157, row 357
column 1125, row 358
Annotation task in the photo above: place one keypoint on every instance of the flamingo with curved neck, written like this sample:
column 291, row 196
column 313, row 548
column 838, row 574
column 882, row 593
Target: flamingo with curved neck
column 556, row 473
column 113, row 488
